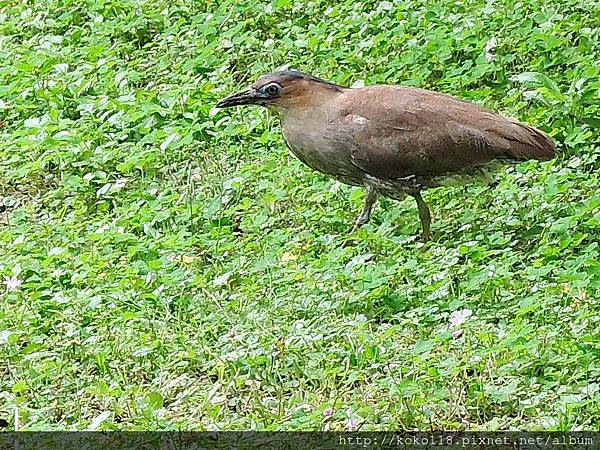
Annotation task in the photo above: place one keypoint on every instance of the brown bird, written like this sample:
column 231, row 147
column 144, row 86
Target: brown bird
column 393, row 140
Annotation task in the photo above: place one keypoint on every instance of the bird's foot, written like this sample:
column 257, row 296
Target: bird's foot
column 360, row 221
column 421, row 238
column 354, row 228
column 425, row 237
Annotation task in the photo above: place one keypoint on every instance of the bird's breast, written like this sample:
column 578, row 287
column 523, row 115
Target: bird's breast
column 319, row 145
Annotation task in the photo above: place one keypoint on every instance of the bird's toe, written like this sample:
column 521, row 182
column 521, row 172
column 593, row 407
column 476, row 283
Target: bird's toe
column 425, row 237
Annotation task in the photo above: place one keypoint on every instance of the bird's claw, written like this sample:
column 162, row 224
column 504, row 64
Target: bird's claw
column 359, row 223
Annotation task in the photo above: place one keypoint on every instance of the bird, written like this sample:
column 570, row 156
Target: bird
column 392, row 140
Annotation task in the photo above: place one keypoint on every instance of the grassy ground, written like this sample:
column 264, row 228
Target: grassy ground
column 170, row 266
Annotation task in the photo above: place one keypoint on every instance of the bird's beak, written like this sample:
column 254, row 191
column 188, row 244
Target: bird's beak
column 247, row 97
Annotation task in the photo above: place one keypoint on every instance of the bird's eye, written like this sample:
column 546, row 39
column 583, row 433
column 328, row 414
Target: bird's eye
column 272, row 89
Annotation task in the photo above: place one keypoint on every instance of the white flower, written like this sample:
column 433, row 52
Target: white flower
column 12, row 283
column 489, row 49
column 491, row 44
column 459, row 316
column 120, row 183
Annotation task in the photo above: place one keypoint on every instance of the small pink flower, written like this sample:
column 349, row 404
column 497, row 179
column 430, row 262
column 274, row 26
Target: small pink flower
column 12, row 283
column 351, row 424
column 327, row 412
column 456, row 334
column 460, row 316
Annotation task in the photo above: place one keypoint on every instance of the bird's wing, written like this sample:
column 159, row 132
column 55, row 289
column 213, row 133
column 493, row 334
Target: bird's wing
column 408, row 131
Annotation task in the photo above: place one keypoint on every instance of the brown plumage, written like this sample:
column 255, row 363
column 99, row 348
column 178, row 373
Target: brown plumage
column 392, row 140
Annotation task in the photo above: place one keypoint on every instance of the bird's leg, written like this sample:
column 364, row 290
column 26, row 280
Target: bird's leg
column 424, row 214
column 365, row 214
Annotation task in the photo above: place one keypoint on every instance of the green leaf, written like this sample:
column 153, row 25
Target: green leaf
column 19, row 386
column 155, row 399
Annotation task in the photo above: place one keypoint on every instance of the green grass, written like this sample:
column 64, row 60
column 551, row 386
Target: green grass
column 180, row 270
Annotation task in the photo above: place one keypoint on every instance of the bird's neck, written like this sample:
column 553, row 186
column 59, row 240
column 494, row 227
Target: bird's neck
column 316, row 105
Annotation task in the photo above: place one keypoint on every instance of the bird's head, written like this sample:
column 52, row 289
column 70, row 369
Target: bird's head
column 283, row 90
